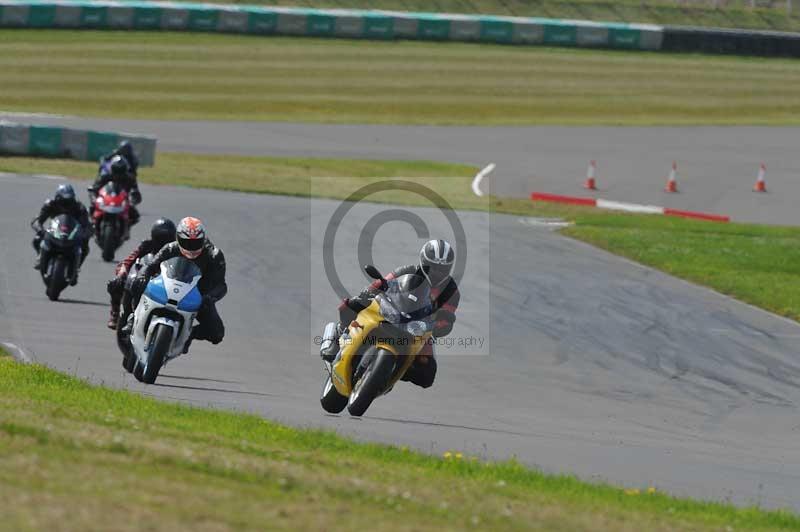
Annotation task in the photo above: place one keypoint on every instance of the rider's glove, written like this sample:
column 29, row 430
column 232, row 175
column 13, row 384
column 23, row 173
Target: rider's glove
column 358, row 303
column 444, row 323
column 138, row 285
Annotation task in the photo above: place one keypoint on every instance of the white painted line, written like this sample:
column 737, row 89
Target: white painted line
column 476, row 183
column 629, row 207
column 554, row 223
column 17, row 352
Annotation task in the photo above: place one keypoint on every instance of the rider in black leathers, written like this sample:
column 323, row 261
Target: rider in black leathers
column 191, row 242
column 122, row 172
column 125, row 149
column 161, row 233
column 64, row 202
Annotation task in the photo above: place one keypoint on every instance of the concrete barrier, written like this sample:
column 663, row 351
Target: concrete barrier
column 349, row 23
column 729, row 41
column 385, row 25
column 44, row 141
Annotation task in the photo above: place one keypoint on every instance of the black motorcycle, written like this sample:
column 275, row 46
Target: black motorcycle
column 60, row 251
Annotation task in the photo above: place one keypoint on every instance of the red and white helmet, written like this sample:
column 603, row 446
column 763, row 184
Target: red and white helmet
column 191, row 237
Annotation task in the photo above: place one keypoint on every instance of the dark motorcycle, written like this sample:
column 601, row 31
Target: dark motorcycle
column 61, row 253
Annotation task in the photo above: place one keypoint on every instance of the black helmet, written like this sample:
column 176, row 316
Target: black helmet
column 436, row 261
column 162, row 232
column 125, row 149
column 119, row 167
column 65, row 193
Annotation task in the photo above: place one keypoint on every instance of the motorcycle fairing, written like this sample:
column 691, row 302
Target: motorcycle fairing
column 161, row 304
column 369, row 320
column 155, row 290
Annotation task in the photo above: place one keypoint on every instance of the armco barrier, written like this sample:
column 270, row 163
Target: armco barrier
column 723, row 41
column 143, row 15
column 43, row 141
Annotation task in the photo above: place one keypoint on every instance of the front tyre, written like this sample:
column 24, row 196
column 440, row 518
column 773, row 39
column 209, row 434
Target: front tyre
column 108, row 241
column 162, row 339
column 372, row 383
column 332, row 401
column 58, row 278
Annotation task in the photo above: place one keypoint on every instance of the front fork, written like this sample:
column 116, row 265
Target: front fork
column 76, row 262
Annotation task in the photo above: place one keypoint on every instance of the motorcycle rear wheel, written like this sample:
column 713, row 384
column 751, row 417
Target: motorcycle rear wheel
column 372, row 383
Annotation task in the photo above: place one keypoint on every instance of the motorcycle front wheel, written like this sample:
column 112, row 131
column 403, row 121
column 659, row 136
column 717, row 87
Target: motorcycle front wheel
column 331, row 400
column 108, row 241
column 58, row 278
column 162, row 339
column 371, row 383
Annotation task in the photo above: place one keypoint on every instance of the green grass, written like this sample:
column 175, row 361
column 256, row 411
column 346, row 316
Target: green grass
column 81, row 457
column 226, row 77
column 754, row 263
column 274, row 175
column 734, row 14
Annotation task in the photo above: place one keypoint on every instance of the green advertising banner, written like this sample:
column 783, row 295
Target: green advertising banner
column 44, row 141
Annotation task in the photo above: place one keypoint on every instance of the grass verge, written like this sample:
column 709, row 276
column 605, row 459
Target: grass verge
column 757, row 264
column 75, row 456
column 273, row 175
column 734, row 14
column 229, row 77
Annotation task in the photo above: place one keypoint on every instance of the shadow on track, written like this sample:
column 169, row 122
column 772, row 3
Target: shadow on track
column 198, row 379
column 82, row 302
column 222, row 390
column 446, row 425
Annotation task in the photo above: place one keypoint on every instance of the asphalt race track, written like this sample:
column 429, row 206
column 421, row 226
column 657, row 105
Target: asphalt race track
column 717, row 165
column 596, row 366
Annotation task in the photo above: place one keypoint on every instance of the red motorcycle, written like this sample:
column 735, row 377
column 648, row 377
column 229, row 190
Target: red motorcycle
column 110, row 218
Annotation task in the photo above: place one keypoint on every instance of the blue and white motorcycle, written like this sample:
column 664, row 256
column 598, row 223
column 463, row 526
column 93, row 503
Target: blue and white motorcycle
column 163, row 319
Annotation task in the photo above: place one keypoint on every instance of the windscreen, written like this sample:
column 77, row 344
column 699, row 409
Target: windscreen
column 407, row 298
column 62, row 226
column 113, row 188
column 180, row 269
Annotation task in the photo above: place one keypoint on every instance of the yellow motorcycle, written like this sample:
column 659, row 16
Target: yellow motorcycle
column 380, row 344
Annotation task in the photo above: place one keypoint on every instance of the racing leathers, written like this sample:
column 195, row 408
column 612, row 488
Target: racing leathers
column 52, row 208
column 445, row 298
column 116, row 286
column 212, row 287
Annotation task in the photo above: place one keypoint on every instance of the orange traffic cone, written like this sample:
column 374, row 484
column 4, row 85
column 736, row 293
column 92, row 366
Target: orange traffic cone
column 672, row 183
column 761, row 185
column 590, row 173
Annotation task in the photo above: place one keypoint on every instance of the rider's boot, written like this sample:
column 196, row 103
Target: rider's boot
column 329, row 347
column 37, row 265
column 128, row 327
column 189, row 341
column 113, row 317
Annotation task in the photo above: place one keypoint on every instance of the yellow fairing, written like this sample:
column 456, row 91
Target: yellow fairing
column 369, row 319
